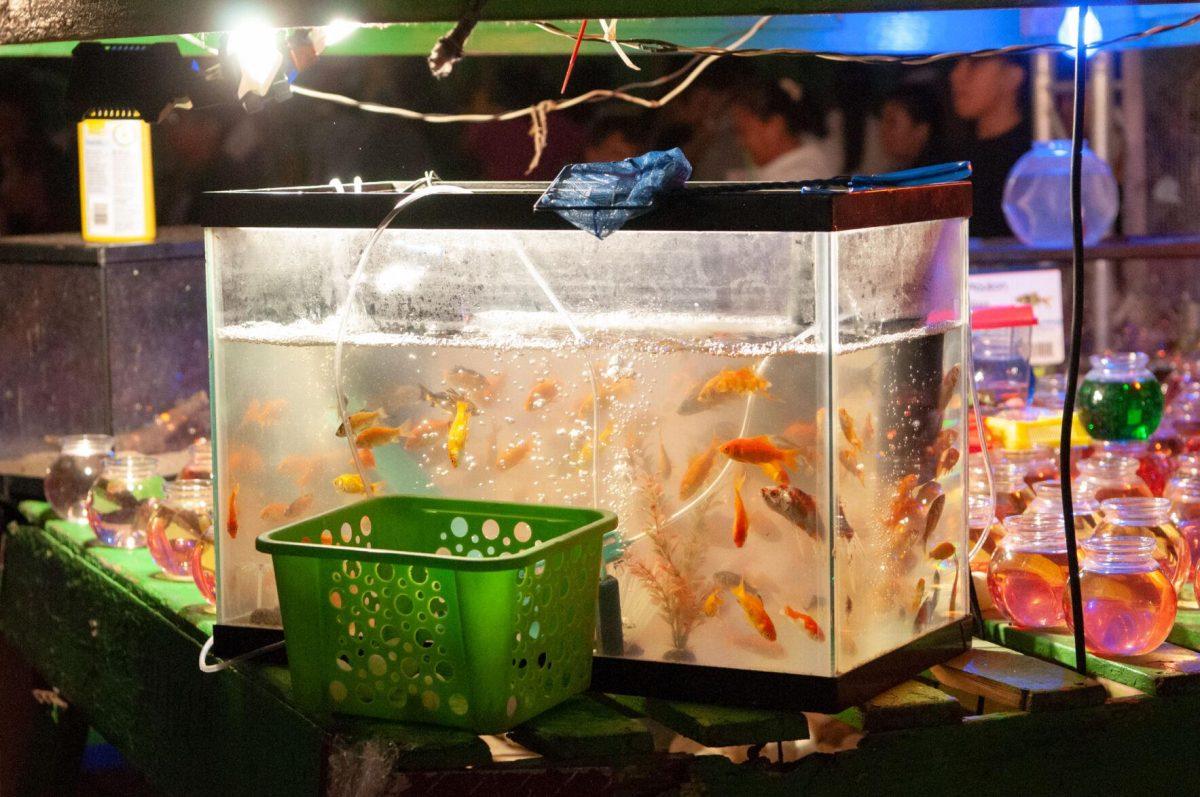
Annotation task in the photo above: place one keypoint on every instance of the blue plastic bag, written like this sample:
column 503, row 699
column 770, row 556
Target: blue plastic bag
column 600, row 197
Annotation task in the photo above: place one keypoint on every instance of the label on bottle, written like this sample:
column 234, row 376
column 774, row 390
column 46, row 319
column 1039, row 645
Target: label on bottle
column 1042, row 290
column 115, row 181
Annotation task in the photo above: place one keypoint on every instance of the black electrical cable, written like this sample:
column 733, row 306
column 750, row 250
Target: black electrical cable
column 1064, row 444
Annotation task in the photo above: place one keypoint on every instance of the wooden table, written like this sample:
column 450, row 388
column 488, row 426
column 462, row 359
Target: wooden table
column 120, row 646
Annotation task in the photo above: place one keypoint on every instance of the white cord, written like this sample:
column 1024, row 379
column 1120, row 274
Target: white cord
column 206, row 648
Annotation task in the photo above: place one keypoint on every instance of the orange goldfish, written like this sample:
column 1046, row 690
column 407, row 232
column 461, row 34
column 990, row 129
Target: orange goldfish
column 513, row 455
column 366, row 457
column 263, row 413
column 947, row 461
column 849, row 459
column 231, row 518
column 542, row 394
column 868, row 431
column 378, row 436
column 274, row 512
column 756, row 613
column 902, row 503
column 775, row 472
column 618, row 389
column 801, row 432
column 712, row 602
column 730, row 383
column 945, row 439
column 697, row 471
column 360, row 420
column 942, row 551
column 949, row 382
column 741, row 523
column 848, row 430
column 301, row 469
column 797, row 506
column 483, row 387
column 664, row 462
column 456, row 439
column 920, row 595
column 810, row 625
column 757, row 450
column 423, row 433
column 299, row 506
column 244, row 459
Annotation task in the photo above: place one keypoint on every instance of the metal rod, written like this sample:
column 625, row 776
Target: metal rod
column 1101, row 276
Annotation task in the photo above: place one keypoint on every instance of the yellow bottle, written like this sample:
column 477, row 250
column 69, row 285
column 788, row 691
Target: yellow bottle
column 116, row 180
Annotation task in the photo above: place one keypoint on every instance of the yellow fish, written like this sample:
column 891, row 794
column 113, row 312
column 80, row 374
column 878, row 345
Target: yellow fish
column 756, row 613
column 456, row 438
column 697, row 471
column 712, row 602
column 352, row 483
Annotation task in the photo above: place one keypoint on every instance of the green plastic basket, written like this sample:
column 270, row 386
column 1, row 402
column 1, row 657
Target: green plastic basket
column 465, row 613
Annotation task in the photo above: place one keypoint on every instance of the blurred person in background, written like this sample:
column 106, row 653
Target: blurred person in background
column 615, row 137
column 910, row 121
column 987, row 93
column 782, row 132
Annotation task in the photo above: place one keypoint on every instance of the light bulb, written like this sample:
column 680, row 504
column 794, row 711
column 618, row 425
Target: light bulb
column 258, row 56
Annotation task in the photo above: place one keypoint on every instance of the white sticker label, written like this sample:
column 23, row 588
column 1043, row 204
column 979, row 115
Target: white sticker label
column 1041, row 289
column 113, row 167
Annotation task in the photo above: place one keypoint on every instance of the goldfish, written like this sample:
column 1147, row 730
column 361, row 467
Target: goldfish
column 465, row 379
column 299, row 506
column 352, row 483
column 274, row 512
column 944, row 440
column 844, row 529
column 810, row 625
column 776, row 473
column 757, row 450
column 664, row 462
column 617, row 389
column 756, row 613
column 447, row 400
column 300, row 468
column 741, row 523
column 456, row 439
column 801, row 432
column 920, row 595
column 360, row 420
column 697, row 471
column 378, row 436
column 513, row 455
column 849, row 459
column 542, row 394
column 947, row 461
column 263, row 413
column 902, row 503
column 366, row 457
column 712, row 602
column 583, row 456
column 868, row 431
column 423, row 433
column 949, row 382
column 244, row 459
column 730, row 383
column 942, row 551
column 796, row 506
column 847, row 424
column 231, row 518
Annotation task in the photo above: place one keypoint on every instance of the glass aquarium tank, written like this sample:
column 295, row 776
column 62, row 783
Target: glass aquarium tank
column 766, row 386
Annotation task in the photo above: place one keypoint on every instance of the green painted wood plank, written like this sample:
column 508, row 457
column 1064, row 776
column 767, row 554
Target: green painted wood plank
column 36, row 513
column 1018, row 681
column 1170, row 670
column 584, row 727
column 131, row 668
column 1186, row 632
column 724, row 726
column 176, row 598
column 629, row 705
column 910, row 705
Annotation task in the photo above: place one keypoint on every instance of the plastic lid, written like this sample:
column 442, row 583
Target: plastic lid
column 1016, row 315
